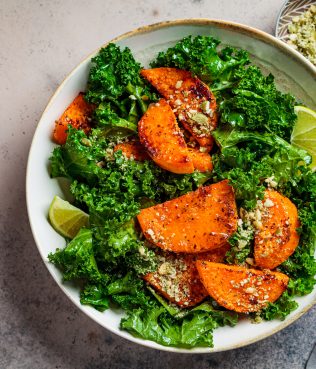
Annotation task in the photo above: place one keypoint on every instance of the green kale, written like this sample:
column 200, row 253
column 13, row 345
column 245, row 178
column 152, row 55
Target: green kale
column 248, row 158
column 143, row 260
column 78, row 158
column 115, row 85
column 201, row 56
column 226, row 138
column 108, row 120
column 112, row 71
column 131, row 293
column 95, row 295
column 241, row 244
column 255, row 104
column 77, row 259
column 57, row 166
column 195, row 329
column 279, row 309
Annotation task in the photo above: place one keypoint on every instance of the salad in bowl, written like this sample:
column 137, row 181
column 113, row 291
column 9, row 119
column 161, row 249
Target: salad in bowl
column 193, row 194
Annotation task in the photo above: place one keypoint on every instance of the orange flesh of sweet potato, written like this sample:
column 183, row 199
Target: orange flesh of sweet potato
column 202, row 161
column 133, row 149
column 78, row 114
column 193, row 102
column 240, row 289
column 196, row 222
column 159, row 133
column 277, row 239
column 177, row 278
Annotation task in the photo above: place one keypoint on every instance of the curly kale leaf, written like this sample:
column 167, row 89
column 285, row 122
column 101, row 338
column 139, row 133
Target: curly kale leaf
column 280, row 309
column 247, row 158
column 112, row 70
column 78, row 158
column 201, row 56
column 108, row 119
column 255, row 104
column 77, row 259
column 115, row 85
column 131, row 293
column 95, row 295
column 195, row 329
column 143, row 261
column 114, row 240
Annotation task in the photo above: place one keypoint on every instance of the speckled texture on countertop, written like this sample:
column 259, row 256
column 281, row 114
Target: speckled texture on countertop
column 41, row 41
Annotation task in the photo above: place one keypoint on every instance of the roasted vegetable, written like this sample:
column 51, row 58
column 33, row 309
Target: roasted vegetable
column 277, row 237
column 133, row 150
column 160, row 135
column 78, row 115
column 240, row 289
column 177, row 278
column 198, row 221
column 191, row 99
column 202, row 161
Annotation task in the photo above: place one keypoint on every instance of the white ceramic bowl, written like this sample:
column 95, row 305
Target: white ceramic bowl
column 293, row 74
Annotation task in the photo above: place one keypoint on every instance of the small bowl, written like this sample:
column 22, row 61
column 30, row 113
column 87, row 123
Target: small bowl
column 293, row 74
column 290, row 9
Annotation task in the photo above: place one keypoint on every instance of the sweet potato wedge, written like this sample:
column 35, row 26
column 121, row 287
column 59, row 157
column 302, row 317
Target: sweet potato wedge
column 216, row 255
column 177, row 278
column 202, row 161
column 159, row 133
column 191, row 99
column 133, row 150
column 199, row 221
column 277, row 239
column 240, row 289
column 78, row 114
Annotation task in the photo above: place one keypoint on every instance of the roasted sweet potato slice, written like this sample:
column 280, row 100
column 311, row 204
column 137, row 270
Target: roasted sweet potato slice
column 277, row 239
column 216, row 255
column 202, row 161
column 199, row 221
column 177, row 278
column 133, row 150
column 240, row 289
column 191, row 99
column 78, row 114
column 159, row 133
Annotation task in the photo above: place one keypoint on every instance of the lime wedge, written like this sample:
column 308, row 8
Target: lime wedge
column 304, row 132
column 66, row 218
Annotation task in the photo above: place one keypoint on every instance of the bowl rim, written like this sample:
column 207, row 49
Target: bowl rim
column 244, row 29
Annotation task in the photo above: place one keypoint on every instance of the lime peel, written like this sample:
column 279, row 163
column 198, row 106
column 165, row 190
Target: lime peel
column 304, row 132
column 65, row 218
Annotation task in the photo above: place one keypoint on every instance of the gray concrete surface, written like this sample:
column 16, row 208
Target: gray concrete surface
column 41, row 41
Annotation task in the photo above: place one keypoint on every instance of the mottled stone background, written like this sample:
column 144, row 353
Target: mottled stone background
column 40, row 42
